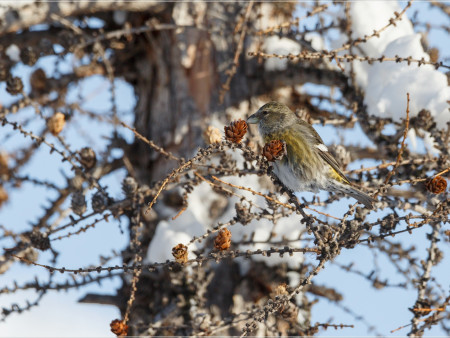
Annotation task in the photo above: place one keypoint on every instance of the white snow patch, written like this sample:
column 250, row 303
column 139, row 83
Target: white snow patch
column 283, row 46
column 259, row 230
column 368, row 16
column 6, row 6
column 13, row 52
column 386, row 84
column 172, row 232
column 181, row 132
column 389, row 82
column 199, row 202
column 316, row 40
column 181, row 14
column 196, row 219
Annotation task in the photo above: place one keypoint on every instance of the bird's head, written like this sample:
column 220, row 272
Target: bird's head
column 271, row 117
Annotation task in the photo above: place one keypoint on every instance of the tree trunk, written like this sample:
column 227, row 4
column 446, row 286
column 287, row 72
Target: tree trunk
column 178, row 79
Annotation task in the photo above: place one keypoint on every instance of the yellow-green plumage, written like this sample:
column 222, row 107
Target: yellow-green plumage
column 300, row 154
column 307, row 165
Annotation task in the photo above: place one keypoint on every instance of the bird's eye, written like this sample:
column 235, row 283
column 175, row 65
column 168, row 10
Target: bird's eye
column 265, row 112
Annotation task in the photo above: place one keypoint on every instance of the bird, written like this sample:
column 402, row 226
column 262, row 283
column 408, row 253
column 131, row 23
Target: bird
column 307, row 164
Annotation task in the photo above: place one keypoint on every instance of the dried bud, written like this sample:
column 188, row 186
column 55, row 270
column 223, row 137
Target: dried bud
column 434, row 54
column 223, row 240
column 447, row 233
column 326, row 234
column 78, row 203
column 274, row 150
column 119, row 328
column 436, row 185
column 28, row 56
column 4, row 170
column 180, row 253
column 87, row 157
column 281, row 289
column 288, row 310
column 243, row 215
column 236, row 131
column 56, row 123
column 129, row 186
column 212, row 135
column 14, row 85
column 39, row 240
column 77, row 182
column 423, row 120
column 3, row 196
column 99, row 201
column 38, row 81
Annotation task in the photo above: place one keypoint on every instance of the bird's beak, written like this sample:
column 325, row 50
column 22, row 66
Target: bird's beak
column 253, row 119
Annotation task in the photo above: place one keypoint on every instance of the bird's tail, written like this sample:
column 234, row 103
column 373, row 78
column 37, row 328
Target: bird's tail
column 362, row 197
column 357, row 194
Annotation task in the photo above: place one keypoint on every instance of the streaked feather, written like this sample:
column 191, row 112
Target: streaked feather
column 333, row 163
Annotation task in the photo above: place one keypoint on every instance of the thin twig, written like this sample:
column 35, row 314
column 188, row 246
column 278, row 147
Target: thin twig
column 402, row 148
column 232, row 71
column 272, row 199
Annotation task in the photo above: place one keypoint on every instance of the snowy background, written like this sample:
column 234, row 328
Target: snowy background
column 386, row 85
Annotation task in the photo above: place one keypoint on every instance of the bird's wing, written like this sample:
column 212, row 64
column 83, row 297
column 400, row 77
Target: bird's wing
column 332, row 162
column 323, row 152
